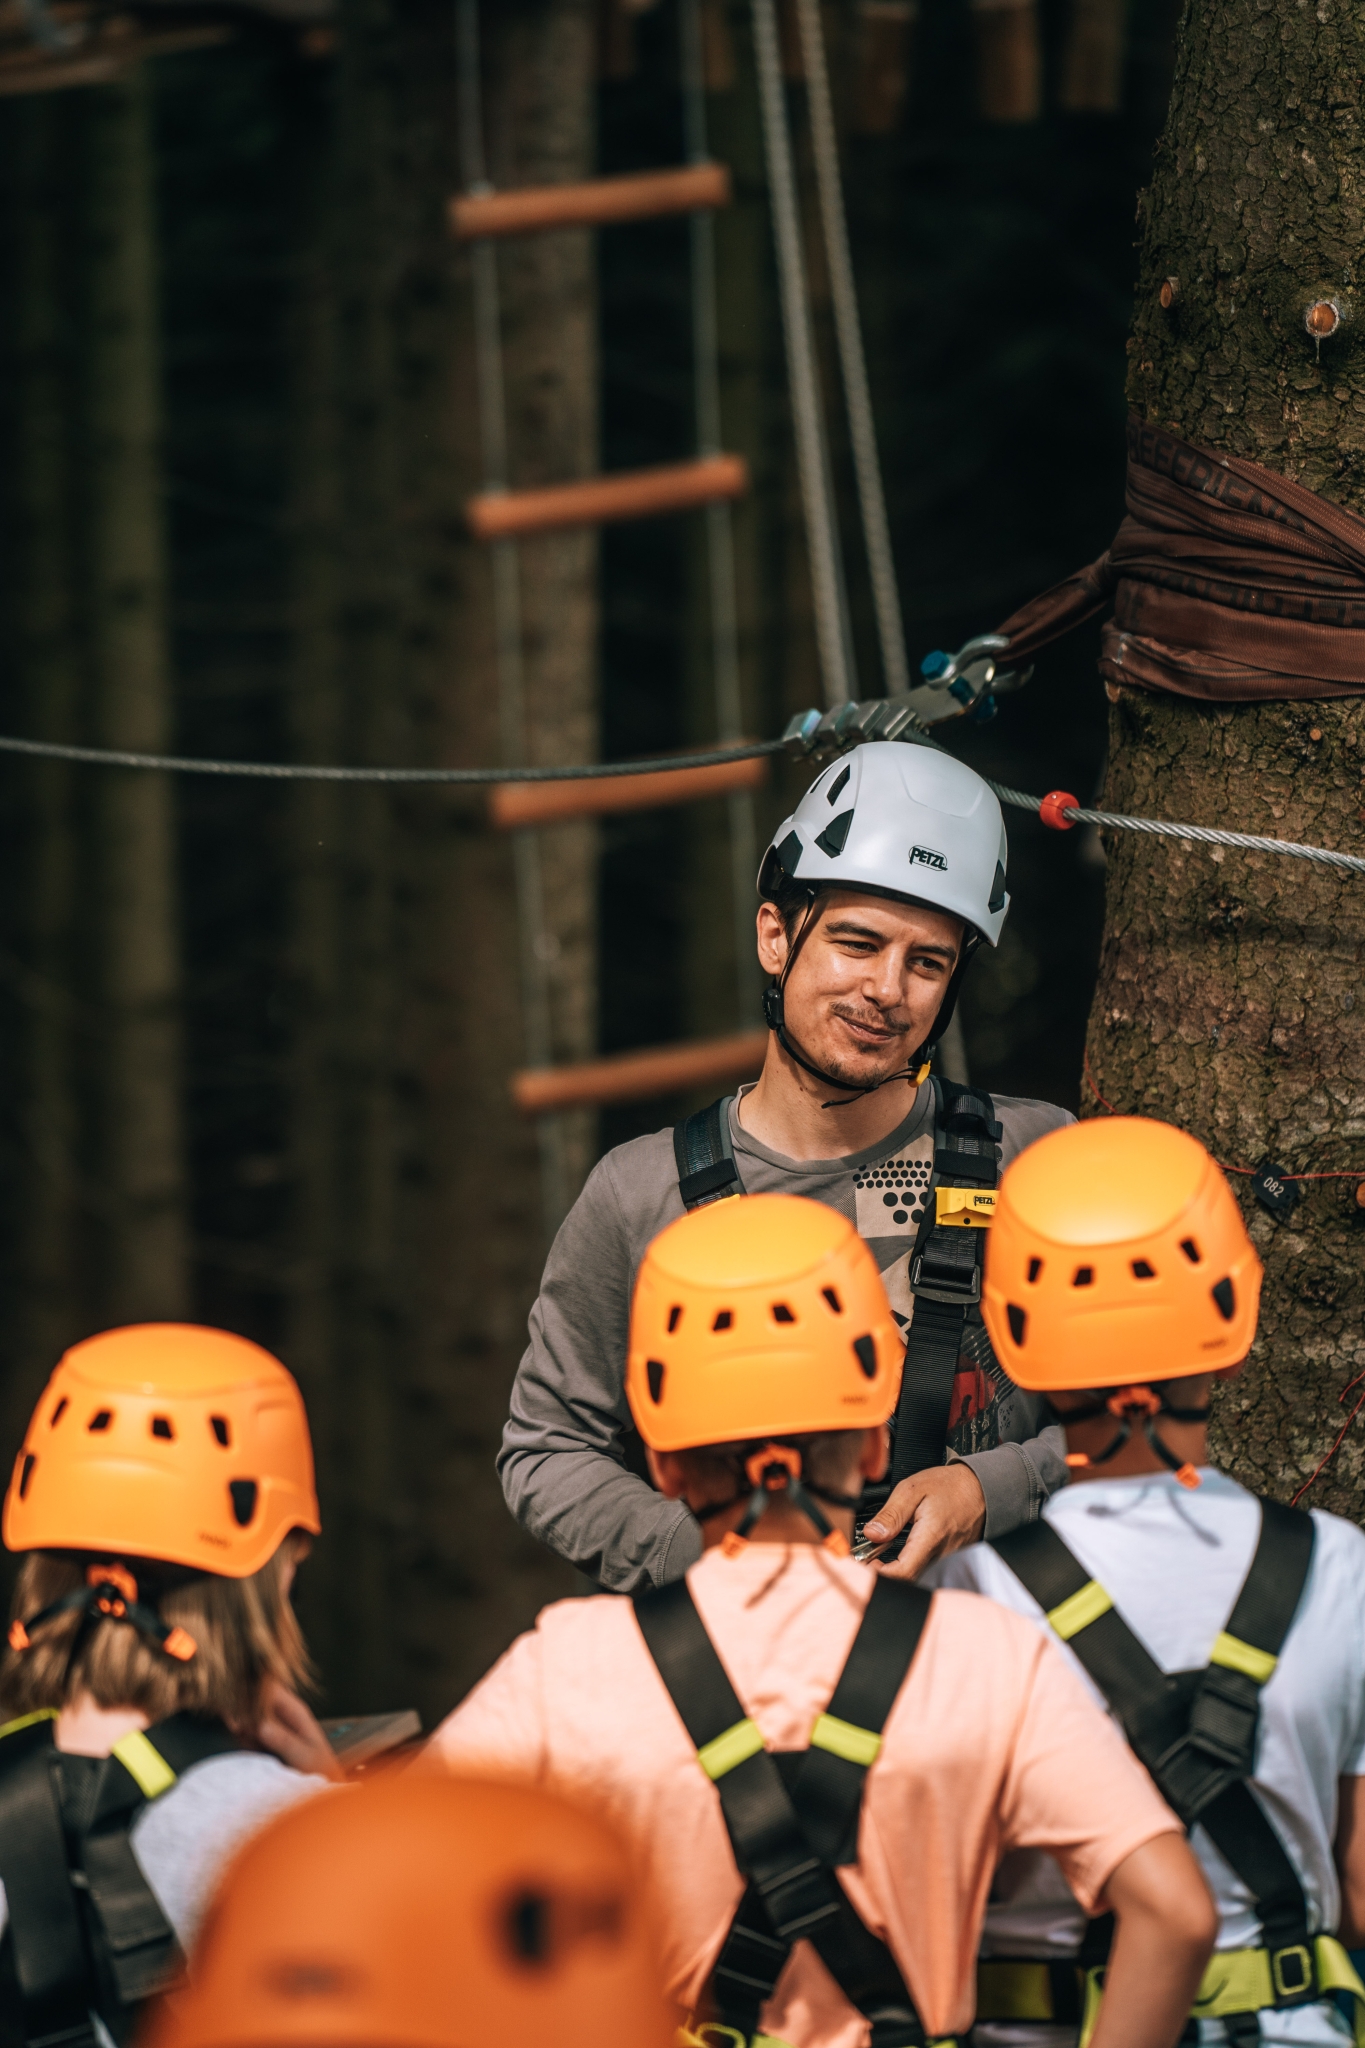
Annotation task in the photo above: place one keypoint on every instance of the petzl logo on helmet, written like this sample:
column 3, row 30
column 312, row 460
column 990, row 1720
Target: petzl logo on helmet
column 926, row 857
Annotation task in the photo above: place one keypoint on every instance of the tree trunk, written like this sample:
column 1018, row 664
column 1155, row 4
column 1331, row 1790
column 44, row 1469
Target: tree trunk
column 1230, row 991
column 142, row 1169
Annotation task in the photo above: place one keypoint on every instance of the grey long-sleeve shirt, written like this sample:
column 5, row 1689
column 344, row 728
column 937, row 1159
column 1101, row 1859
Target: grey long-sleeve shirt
column 562, row 1461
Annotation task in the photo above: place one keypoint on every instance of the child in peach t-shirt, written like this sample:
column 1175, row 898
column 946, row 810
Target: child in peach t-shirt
column 988, row 1744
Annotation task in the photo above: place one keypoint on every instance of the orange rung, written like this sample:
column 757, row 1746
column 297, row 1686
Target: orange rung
column 596, row 202
column 514, row 804
column 635, row 1076
column 638, row 494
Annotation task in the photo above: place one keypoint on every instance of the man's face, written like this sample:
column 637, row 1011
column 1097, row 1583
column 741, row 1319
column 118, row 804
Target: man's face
column 868, row 980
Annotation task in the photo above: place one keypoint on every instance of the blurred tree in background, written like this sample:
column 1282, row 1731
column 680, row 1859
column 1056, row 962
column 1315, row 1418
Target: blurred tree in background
column 257, row 1039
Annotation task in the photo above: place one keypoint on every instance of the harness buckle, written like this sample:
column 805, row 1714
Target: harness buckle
column 1292, row 1972
column 960, row 1288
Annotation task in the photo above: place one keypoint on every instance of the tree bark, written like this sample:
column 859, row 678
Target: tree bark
column 146, row 1235
column 1230, row 990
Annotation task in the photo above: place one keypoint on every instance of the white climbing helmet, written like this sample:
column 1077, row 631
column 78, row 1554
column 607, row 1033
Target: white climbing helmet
column 902, row 820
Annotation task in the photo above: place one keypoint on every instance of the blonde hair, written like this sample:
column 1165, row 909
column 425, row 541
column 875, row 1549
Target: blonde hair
column 245, row 1631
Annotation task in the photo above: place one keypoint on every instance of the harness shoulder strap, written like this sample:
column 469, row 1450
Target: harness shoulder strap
column 1198, row 1741
column 945, row 1276
column 792, row 1893
column 705, row 1156
column 51, row 1970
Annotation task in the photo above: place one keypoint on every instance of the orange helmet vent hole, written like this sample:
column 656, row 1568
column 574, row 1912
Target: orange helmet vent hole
column 1084, row 1276
column 221, row 1429
column 58, row 1412
column 865, row 1351
column 101, row 1419
column 1035, row 1267
column 654, row 1372
column 243, row 1493
column 161, row 1426
column 1018, row 1322
column 1225, row 1298
column 833, row 1300
column 1143, row 1271
column 26, row 1474
column 674, row 1318
column 723, row 1319
column 1191, row 1250
column 781, row 1313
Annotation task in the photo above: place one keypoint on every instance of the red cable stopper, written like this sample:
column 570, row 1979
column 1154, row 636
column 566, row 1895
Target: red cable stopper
column 1054, row 803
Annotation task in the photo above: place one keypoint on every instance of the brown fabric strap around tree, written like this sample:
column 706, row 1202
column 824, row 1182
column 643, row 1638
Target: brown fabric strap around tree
column 1228, row 583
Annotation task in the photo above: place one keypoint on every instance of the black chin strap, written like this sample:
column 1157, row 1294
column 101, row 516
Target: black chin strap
column 1125, row 1407
column 915, row 1068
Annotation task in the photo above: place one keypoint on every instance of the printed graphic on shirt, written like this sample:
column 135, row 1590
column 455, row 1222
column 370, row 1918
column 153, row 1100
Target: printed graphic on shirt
column 974, row 1409
column 889, row 1193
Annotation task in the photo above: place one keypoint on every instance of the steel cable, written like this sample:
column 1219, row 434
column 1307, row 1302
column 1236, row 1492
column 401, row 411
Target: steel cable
column 1204, row 835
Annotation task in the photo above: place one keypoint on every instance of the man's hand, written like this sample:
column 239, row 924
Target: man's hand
column 287, row 1728
column 944, row 1509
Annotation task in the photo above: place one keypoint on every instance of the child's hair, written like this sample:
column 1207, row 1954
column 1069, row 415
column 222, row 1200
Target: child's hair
column 245, row 1631
column 828, row 1458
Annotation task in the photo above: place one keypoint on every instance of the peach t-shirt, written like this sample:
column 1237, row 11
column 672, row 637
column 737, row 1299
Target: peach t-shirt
column 991, row 1745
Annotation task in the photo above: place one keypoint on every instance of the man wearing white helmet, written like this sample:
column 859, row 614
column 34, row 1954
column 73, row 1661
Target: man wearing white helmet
column 875, row 894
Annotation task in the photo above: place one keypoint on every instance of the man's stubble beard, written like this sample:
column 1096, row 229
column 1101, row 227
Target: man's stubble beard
column 869, row 1067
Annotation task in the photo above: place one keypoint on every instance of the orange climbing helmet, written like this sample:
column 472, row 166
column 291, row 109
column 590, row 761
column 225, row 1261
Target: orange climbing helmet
column 424, row 1912
column 165, row 1441
column 1118, row 1257
column 760, row 1316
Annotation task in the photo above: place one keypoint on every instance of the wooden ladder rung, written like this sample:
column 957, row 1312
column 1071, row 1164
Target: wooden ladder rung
column 596, row 202
column 512, row 805
column 597, row 500
column 636, row 1076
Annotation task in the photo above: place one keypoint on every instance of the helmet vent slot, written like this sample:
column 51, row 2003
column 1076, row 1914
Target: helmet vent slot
column 1084, row 1276
column 528, row 1927
column 835, row 835
column 58, row 1412
column 29, row 1462
column 781, row 1313
column 1142, row 1270
column 837, row 787
column 866, row 1353
column 833, row 1300
column 674, row 1318
column 1018, row 1322
column 1226, row 1299
column 654, row 1373
column 722, row 1320
column 1035, row 1267
column 1191, row 1250
column 244, row 1492
column 161, row 1426
column 221, row 1429
column 100, row 1420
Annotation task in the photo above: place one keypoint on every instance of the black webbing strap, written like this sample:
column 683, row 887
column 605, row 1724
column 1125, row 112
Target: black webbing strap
column 945, row 1277
column 63, row 1957
column 705, row 1156
column 792, row 1893
column 138, row 1941
column 1196, row 1731
column 48, row 1953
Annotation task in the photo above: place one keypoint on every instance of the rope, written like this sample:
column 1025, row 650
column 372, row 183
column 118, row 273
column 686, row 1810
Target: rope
column 1204, row 835
column 848, row 330
column 812, row 452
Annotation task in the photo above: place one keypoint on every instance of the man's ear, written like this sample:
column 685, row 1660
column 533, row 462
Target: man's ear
column 666, row 1470
column 876, row 1453
column 772, row 939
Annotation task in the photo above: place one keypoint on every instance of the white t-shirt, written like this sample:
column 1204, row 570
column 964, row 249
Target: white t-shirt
column 1173, row 1561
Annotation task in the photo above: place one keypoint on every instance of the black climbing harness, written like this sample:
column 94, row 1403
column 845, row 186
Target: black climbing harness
column 85, row 1931
column 793, row 1817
